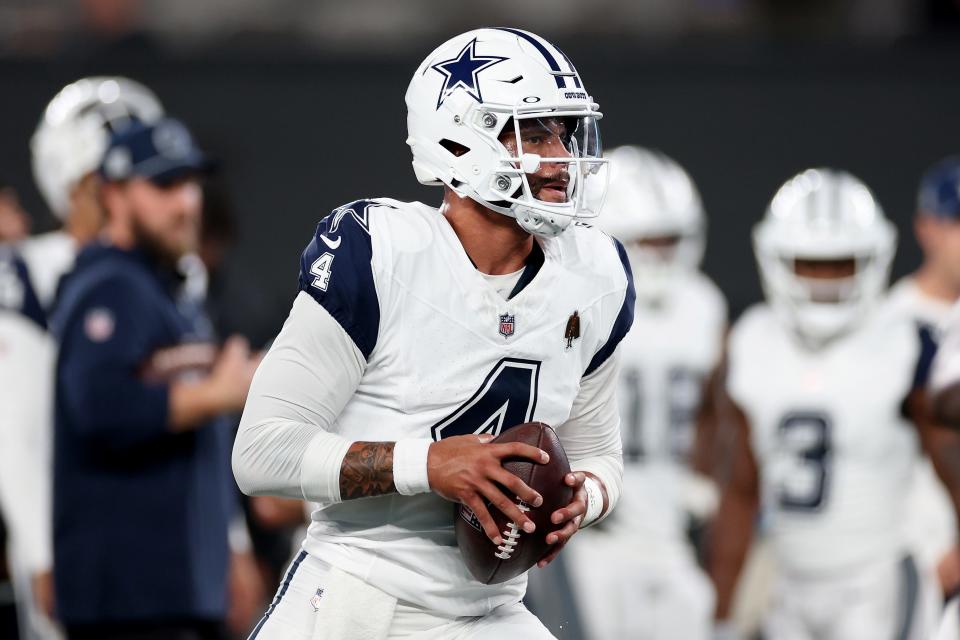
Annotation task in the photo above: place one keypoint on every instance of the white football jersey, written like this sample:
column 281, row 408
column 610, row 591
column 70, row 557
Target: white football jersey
column 447, row 355
column 931, row 525
column 665, row 361
column 905, row 296
column 835, row 454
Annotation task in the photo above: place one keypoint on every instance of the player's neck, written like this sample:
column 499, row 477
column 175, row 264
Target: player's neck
column 494, row 242
column 934, row 285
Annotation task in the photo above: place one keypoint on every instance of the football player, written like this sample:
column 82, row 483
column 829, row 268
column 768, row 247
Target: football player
column 926, row 297
column 66, row 150
column 820, row 383
column 637, row 576
column 421, row 333
column 943, row 197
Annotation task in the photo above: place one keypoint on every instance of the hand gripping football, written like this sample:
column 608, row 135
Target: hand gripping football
column 520, row 550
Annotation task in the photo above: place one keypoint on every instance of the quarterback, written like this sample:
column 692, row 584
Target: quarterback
column 419, row 334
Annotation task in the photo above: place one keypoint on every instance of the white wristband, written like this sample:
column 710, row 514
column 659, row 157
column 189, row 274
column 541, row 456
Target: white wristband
column 594, row 502
column 410, row 466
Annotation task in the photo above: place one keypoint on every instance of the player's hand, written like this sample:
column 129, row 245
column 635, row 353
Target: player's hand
column 43, row 596
column 232, row 374
column 569, row 516
column 948, row 571
column 245, row 592
column 467, row 469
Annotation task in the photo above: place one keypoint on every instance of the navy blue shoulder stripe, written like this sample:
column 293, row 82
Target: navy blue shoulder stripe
column 16, row 291
column 336, row 271
column 621, row 326
column 928, row 349
column 549, row 57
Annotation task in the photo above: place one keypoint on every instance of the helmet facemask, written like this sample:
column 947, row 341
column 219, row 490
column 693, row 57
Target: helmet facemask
column 659, row 261
column 547, row 169
column 549, row 160
column 820, row 298
column 824, row 249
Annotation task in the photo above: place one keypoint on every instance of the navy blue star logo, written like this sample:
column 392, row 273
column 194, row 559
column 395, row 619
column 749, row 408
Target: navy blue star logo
column 461, row 72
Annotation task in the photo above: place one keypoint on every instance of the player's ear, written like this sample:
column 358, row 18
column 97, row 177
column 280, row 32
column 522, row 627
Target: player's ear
column 924, row 229
column 109, row 197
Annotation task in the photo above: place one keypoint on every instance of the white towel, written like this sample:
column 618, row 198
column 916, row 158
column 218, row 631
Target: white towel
column 351, row 609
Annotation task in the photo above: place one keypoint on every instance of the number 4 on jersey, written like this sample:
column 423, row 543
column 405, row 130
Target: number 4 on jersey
column 321, row 269
column 508, row 396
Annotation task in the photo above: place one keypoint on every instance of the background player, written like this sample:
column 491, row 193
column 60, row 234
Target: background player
column 636, row 574
column 926, row 296
column 66, row 150
column 818, row 379
column 418, row 329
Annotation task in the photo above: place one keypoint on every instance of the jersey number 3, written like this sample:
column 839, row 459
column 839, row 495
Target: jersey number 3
column 506, row 398
column 805, row 442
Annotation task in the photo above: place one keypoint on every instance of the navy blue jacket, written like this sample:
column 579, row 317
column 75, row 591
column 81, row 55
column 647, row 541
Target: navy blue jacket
column 140, row 513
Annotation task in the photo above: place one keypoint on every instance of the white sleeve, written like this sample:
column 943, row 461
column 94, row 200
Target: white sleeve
column 591, row 436
column 286, row 444
column 945, row 369
column 26, row 425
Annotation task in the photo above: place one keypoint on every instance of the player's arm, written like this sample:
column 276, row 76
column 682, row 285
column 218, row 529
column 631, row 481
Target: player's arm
column 706, row 442
column 591, row 439
column 941, row 444
column 944, row 383
column 732, row 529
column 288, row 444
column 26, row 371
column 935, row 367
column 106, row 339
column 591, row 435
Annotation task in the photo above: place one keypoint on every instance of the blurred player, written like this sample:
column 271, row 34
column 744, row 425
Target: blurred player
column 820, row 381
column 141, row 456
column 636, row 575
column 66, row 150
column 420, row 333
column 926, row 296
column 14, row 221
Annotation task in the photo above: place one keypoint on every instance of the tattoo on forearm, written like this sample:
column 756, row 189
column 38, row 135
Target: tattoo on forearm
column 367, row 470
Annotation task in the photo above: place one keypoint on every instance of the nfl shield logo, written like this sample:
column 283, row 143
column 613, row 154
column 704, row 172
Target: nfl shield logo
column 506, row 325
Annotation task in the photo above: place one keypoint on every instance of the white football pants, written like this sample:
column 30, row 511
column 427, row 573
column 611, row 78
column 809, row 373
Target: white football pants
column 620, row 597
column 316, row 602
column 890, row 600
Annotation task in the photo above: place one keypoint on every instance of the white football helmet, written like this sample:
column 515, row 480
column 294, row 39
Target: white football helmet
column 75, row 129
column 824, row 214
column 471, row 87
column 651, row 196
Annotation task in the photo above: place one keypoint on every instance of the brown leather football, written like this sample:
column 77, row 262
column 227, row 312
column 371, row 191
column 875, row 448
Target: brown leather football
column 491, row 564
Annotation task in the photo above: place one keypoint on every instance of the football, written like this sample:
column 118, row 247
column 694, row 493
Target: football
column 491, row 564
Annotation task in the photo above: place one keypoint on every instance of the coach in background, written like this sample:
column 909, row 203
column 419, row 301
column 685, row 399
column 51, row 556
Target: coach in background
column 142, row 486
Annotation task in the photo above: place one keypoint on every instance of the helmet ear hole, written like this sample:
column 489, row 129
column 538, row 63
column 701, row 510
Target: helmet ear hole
column 455, row 148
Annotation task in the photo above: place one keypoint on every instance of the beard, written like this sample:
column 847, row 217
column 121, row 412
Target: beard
column 537, row 182
column 159, row 249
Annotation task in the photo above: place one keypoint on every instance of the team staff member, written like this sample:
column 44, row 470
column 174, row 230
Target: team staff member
column 142, row 486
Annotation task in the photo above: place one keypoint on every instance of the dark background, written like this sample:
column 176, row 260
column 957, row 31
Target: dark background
column 300, row 132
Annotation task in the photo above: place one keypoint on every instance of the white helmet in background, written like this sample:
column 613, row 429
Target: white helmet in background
column 824, row 214
column 473, row 86
column 651, row 197
column 75, row 128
